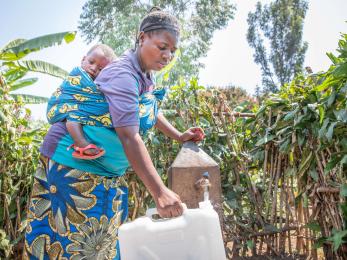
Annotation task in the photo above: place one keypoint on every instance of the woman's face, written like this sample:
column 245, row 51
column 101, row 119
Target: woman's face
column 156, row 49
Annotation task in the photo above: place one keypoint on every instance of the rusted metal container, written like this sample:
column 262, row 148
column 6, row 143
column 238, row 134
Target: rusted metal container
column 186, row 177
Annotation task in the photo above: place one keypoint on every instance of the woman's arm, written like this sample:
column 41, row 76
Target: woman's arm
column 168, row 203
column 194, row 133
column 166, row 128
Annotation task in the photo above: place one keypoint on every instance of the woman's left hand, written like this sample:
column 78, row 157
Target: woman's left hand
column 194, row 134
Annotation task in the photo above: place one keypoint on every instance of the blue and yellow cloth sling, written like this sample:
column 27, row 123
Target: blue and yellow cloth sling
column 79, row 99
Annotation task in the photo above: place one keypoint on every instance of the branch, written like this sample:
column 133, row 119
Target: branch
column 235, row 114
column 328, row 190
column 266, row 233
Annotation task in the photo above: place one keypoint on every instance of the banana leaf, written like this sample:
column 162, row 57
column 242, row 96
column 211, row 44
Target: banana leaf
column 30, row 99
column 18, row 49
column 43, row 67
column 22, row 83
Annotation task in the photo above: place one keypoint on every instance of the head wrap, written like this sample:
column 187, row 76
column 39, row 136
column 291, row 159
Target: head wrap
column 159, row 25
column 157, row 19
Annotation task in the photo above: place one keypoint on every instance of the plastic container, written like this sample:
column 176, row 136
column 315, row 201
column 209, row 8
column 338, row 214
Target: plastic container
column 196, row 235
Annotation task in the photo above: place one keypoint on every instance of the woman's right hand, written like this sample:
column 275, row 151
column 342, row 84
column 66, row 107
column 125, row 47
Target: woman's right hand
column 168, row 204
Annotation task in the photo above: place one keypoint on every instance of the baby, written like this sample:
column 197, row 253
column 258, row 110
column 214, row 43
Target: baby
column 79, row 101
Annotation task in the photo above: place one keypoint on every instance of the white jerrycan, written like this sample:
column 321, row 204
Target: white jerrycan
column 196, row 235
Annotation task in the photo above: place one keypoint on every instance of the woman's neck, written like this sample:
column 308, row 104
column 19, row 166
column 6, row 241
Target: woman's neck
column 142, row 67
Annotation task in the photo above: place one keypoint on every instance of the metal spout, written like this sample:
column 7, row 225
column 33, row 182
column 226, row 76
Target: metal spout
column 204, row 183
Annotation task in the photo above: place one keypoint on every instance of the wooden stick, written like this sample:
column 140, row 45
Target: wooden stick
column 328, row 190
column 235, row 114
column 267, row 233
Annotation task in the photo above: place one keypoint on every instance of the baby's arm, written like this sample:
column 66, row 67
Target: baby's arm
column 76, row 132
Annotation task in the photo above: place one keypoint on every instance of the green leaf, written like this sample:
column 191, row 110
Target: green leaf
column 30, row 99
column 321, row 114
column 290, row 115
column 344, row 160
column 39, row 43
column 3, row 118
column 285, row 146
column 301, row 139
column 340, row 70
column 22, row 83
column 43, row 67
column 341, row 115
column 314, row 226
column 14, row 74
column 338, row 238
column 343, row 190
column 332, row 57
column 250, row 244
column 344, row 89
column 284, row 131
column 319, row 243
column 305, row 164
column 260, row 111
column 300, row 118
column 265, row 139
column 313, row 173
column 24, row 140
column 330, row 132
column 327, row 83
column 344, row 210
column 334, row 160
column 323, row 129
column 69, row 37
column 12, row 44
column 331, row 98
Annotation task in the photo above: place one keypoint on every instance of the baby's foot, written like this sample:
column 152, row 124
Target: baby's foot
column 87, row 151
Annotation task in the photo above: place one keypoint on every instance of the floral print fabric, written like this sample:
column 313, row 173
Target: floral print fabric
column 74, row 214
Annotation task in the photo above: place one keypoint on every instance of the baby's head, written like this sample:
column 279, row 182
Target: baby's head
column 96, row 59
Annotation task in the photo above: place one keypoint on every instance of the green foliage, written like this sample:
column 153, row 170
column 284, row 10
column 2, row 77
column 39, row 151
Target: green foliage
column 19, row 48
column 19, row 144
column 116, row 23
column 281, row 25
column 19, row 138
column 13, row 68
column 338, row 238
column 307, row 121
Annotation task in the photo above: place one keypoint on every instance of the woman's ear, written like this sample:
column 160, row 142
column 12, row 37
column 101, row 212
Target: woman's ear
column 141, row 38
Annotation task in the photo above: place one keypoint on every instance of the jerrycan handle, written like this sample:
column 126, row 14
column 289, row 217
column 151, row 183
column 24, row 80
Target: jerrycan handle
column 153, row 211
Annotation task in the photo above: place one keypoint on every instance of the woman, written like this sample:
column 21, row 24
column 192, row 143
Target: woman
column 78, row 205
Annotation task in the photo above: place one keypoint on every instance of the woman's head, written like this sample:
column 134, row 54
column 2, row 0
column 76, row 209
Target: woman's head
column 157, row 40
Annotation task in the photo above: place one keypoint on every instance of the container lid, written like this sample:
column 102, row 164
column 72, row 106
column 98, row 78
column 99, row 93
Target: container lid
column 191, row 155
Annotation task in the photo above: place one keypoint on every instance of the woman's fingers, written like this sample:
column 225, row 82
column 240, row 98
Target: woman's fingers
column 194, row 134
column 198, row 129
column 198, row 134
column 176, row 211
column 169, row 204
